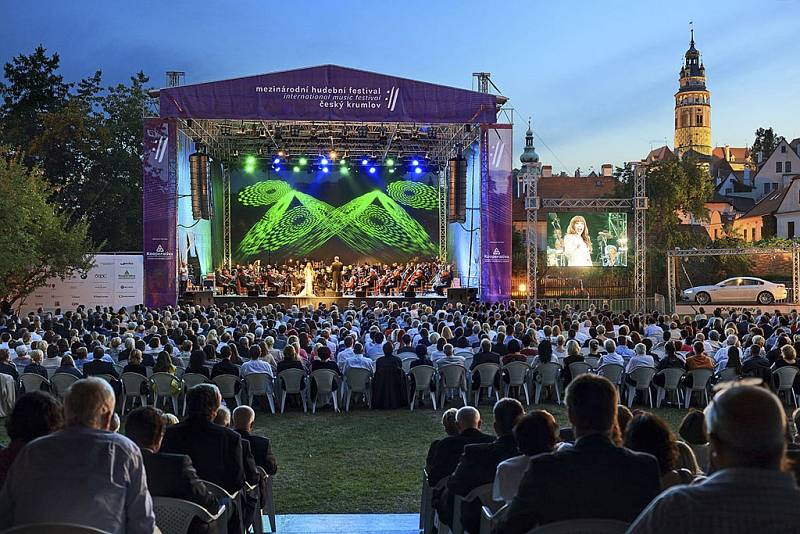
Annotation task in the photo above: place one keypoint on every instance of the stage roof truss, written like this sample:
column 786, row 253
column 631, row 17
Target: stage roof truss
column 586, row 203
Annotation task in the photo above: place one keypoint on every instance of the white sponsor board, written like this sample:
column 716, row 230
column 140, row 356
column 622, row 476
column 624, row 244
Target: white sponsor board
column 116, row 280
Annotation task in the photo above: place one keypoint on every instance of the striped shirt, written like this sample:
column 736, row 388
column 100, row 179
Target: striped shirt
column 732, row 501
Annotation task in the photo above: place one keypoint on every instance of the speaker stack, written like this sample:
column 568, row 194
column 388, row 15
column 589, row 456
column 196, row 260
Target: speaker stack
column 198, row 174
column 457, row 190
column 463, row 295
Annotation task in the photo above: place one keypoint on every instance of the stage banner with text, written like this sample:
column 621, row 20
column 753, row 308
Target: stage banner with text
column 496, row 188
column 328, row 92
column 114, row 280
column 160, row 218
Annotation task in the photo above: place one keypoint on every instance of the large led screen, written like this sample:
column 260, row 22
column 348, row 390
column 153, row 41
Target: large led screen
column 587, row 239
column 357, row 214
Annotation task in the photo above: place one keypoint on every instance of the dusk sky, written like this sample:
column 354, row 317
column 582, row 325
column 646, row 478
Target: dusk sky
column 598, row 78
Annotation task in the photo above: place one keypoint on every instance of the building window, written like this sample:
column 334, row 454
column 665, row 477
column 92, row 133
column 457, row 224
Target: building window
column 766, row 187
column 752, row 234
column 728, row 190
column 778, row 166
column 790, row 229
column 787, row 167
column 698, row 119
column 774, row 186
column 783, row 149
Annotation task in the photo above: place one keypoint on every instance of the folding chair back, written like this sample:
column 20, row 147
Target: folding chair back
column 190, row 380
column 292, row 380
column 785, row 377
column 593, row 361
column 548, row 373
column 226, row 385
column 577, row 369
column 61, row 382
column 32, row 381
column 487, row 372
column 358, row 379
column 452, row 375
column 260, row 384
column 612, row 371
column 484, row 493
column 407, row 364
column 517, row 373
column 173, row 516
column 132, row 385
column 324, row 380
column 729, row 373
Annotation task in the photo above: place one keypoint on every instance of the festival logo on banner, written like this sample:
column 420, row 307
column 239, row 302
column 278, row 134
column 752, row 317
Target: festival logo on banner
column 496, row 161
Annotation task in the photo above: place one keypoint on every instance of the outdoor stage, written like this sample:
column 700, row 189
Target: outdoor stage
column 341, row 302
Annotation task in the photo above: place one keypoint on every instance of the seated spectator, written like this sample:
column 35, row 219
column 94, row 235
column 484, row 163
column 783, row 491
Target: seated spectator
column 36, row 366
column 692, row 431
column 256, row 364
column 112, row 492
column 216, row 452
column 611, row 355
column 669, row 361
column 421, row 351
column 68, row 366
column 52, row 358
column 478, row 464
column 651, row 434
column 787, row 358
column 449, row 449
column 576, row 482
column 451, row 429
column 224, row 366
column 21, row 356
column 168, row 475
column 624, row 416
column 358, row 360
column 97, row 366
column 243, row 419
column 134, row 364
column 640, row 358
column 573, row 356
column 535, row 433
column 732, row 360
column 757, row 365
column 485, row 355
column 514, row 354
column 390, row 385
column 746, row 427
column 197, row 365
column 449, row 358
column 223, row 417
column 80, row 354
column 6, row 367
column 324, row 360
column 35, row 414
column 164, row 364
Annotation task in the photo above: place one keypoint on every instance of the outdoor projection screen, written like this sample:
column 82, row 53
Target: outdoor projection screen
column 587, row 239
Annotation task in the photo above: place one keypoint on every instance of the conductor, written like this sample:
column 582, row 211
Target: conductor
column 336, row 273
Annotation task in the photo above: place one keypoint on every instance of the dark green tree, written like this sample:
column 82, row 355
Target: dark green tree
column 39, row 241
column 765, row 142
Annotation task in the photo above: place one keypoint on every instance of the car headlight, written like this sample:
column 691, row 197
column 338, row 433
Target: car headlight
column 689, row 291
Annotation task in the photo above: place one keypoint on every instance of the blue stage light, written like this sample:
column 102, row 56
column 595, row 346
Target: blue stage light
column 324, row 161
column 415, row 163
column 277, row 168
column 365, row 162
column 418, row 170
column 373, row 170
column 325, row 169
column 276, row 161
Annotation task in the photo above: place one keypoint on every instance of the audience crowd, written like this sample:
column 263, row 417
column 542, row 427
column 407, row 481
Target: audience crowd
column 611, row 463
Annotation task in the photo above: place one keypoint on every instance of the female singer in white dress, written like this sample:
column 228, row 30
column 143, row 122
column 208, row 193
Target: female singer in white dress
column 577, row 245
column 308, row 288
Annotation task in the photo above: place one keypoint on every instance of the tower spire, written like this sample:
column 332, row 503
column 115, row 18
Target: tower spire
column 691, row 31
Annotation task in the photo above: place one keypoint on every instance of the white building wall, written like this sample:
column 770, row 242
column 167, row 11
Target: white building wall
column 770, row 177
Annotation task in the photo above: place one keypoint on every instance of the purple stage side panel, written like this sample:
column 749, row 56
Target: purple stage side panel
column 160, row 213
column 496, row 145
column 328, row 92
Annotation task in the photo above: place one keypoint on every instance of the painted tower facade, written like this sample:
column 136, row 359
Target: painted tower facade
column 693, row 107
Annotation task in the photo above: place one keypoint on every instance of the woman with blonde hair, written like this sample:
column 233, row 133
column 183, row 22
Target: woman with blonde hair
column 577, row 244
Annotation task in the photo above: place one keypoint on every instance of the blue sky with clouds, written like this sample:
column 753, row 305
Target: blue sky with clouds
column 597, row 77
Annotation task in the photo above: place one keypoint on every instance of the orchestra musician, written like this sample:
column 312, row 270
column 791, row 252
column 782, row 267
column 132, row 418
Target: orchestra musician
column 336, row 274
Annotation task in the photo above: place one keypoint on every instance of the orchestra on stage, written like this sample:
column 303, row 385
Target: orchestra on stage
column 333, row 278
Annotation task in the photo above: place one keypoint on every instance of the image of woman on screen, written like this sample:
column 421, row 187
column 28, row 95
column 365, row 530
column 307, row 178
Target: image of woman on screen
column 308, row 288
column 577, row 245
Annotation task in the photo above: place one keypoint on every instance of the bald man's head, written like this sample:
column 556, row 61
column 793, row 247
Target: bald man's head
column 746, row 428
column 468, row 417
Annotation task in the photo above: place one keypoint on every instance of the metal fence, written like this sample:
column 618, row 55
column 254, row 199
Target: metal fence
column 617, row 305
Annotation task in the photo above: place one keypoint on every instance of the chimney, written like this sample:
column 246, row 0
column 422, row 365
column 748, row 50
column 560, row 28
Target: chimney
column 727, row 152
column 578, row 172
column 547, row 171
column 606, row 170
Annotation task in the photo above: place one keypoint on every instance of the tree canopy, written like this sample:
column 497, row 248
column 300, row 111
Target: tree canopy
column 84, row 138
column 766, row 141
column 39, row 241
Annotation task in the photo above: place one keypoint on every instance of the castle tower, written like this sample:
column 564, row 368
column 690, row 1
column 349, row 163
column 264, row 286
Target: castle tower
column 693, row 107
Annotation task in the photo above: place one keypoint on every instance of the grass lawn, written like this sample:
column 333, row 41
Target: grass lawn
column 361, row 462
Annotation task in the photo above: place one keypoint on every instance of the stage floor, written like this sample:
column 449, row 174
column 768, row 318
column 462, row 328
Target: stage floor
column 341, row 302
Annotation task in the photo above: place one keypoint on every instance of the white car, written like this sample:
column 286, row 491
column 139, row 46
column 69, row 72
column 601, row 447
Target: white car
column 740, row 289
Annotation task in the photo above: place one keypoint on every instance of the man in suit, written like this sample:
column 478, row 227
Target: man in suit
column 592, row 479
column 336, row 274
column 168, row 475
column 216, row 452
column 96, row 366
column 479, row 463
column 243, row 419
column 224, row 366
column 449, row 449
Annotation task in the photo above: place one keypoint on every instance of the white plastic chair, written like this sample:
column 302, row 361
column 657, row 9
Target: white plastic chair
column 61, row 382
column 190, row 380
column 612, row 371
column 672, row 379
column 227, row 387
column 235, row 498
column 727, row 374
column 642, row 377
column 483, row 492
column 593, row 361
column 518, row 373
column 785, row 376
column 700, row 378
column 173, row 516
column 422, row 384
column 357, row 381
column 32, row 381
column 487, row 372
column 547, row 376
column 290, row 381
column 269, row 499
column 577, row 369
column 260, row 384
column 324, row 380
column 407, row 364
column 489, row 518
column 426, row 502
column 453, row 378
column 132, row 387
column 162, row 383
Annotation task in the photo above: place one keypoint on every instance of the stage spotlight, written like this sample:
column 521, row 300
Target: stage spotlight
column 324, row 161
column 344, row 171
column 365, row 162
column 418, row 170
column 390, row 162
column 277, row 168
column 325, row 169
column 295, row 169
column 332, row 154
column 276, row 161
column 343, row 162
column 391, row 171
column 250, row 160
column 281, row 153
column 302, row 161
column 415, row 163
column 373, row 170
